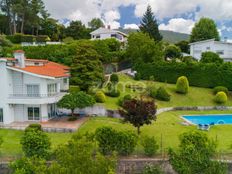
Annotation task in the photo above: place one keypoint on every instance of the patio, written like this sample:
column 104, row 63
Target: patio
column 60, row 124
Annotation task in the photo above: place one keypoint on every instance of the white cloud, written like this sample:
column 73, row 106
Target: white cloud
column 131, row 26
column 108, row 10
column 179, row 25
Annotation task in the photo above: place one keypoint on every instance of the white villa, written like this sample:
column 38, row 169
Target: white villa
column 223, row 48
column 107, row 33
column 30, row 88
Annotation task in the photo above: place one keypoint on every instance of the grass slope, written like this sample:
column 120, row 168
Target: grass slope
column 195, row 97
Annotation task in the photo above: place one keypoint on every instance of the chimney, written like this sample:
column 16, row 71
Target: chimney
column 108, row 27
column 19, row 55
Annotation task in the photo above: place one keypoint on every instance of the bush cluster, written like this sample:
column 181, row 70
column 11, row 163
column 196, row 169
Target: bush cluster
column 221, row 98
column 206, row 75
column 110, row 140
column 100, row 97
column 113, row 93
column 220, row 89
column 163, row 95
column 150, row 145
column 182, row 85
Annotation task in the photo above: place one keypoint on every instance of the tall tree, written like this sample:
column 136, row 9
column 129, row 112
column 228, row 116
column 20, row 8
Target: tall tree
column 77, row 30
column 138, row 112
column 149, row 25
column 142, row 49
column 87, row 69
column 76, row 100
column 204, row 29
column 95, row 23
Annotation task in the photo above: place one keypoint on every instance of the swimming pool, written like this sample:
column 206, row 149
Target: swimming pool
column 209, row 119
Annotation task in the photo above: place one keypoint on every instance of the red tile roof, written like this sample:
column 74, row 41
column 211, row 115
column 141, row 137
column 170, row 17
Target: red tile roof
column 50, row 69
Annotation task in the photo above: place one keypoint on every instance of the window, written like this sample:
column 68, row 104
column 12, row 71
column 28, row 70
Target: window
column 33, row 113
column 98, row 37
column 114, row 35
column 220, row 52
column 33, row 90
column 52, row 89
column 1, row 115
column 208, row 48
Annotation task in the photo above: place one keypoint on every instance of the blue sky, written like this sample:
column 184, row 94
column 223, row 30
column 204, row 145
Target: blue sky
column 174, row 15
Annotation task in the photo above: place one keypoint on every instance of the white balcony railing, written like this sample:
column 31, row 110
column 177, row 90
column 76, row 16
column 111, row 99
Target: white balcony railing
column 33, row 95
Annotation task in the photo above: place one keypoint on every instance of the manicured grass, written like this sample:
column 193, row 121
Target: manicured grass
column 11, row 147
column 168, row 128
column 195, row 97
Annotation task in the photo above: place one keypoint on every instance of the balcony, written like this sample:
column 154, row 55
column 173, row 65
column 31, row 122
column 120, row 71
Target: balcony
column 35, row 99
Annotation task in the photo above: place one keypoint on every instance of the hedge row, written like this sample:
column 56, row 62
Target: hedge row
column 198, row 74
column 19, row 38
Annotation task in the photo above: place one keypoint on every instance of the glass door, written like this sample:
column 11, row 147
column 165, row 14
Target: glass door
column 1, row 115
column 33, row 113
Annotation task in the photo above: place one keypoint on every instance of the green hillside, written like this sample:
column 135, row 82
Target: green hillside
column 169, row 36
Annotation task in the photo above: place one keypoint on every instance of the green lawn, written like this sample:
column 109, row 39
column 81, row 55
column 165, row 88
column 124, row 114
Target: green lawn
column 169, row 128
column 195, row 97
column 11, row 147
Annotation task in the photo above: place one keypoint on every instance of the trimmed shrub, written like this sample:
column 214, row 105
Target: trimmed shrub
column 113, row 93
column 123, row 99
column 28, row 38
column 16, row 38
column 100, row 97
column 35, row 143
column 152, row 92
column 220, row 89
column 42, row 38
column 36, row 127
column 221, row 98
column 150, row 146
column 152, row 169
column 114, row 78
column 182, row 85
column 162, row 94
column 207, row 75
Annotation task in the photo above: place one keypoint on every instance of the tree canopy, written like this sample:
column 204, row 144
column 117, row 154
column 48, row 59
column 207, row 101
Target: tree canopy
column 76, row 100
column 150, row 26
column 138, row 112
column 95, row 23
column 87, row 69
column 204, row 29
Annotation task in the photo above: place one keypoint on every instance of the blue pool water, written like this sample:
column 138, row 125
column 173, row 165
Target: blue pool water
column 209, row 119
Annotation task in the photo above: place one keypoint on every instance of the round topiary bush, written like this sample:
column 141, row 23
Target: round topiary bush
column 113, row 93
column 220, row 89
column 114, row 78
column 221, row 98
column 182, row 85
column 123, row 99
column 100, row 97
column 162, row 94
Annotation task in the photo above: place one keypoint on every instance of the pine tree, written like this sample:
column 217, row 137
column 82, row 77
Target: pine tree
column 149, row 25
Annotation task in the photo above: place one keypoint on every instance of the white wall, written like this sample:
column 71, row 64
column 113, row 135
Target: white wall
column 213, row 46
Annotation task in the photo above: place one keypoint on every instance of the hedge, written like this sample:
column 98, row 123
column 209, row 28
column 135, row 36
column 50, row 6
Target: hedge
column 18, row 38
column 199, row 74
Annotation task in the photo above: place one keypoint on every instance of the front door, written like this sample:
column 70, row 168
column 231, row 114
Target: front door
column 1, row 115
column 33, row 113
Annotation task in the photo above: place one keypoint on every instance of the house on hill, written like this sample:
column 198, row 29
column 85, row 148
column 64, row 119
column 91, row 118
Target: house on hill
column 222, row 48
column 30, row 88
column 107, row 33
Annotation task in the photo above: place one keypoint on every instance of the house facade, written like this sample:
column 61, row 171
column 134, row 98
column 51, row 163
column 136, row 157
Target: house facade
column 107, row 33
column 30, row 88
column 222, row 48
